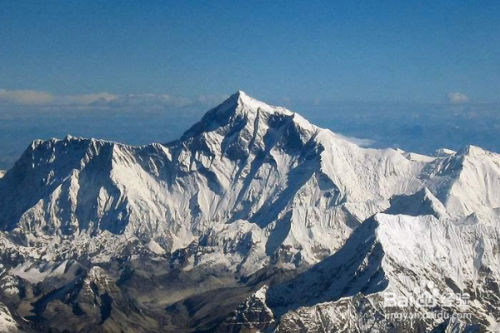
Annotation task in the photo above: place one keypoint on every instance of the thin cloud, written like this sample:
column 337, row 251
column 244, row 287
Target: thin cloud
column 151, row 100
column 104, row 101
column 35, row 97
column 85, row 99
column 210, row 100
column 25, row 97
column 358, row 141
column 457, row 98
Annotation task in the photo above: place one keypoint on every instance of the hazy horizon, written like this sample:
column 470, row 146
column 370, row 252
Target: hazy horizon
column 418, row 76
column 415, row 127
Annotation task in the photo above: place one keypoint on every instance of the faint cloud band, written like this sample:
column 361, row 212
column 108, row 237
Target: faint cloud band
column 103, row 100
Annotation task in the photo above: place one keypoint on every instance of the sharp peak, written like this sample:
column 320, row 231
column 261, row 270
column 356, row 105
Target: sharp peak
column 241, row 98
column 241, row 106
column 471, row 150
column 236, row 96
column 241, row 94
column 240, row 102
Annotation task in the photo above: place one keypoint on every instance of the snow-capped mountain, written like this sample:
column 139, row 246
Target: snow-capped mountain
column 389, row 255
column 253, row 219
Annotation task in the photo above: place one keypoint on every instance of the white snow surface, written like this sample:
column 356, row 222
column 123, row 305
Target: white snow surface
column 288, row 183
column 252, row 185
column 7, row 323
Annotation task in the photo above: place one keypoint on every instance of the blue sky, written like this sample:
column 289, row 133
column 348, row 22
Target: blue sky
column 336, row 50
column 141, row 71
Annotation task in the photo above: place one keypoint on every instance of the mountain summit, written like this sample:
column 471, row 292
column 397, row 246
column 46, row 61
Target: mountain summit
column 254, row 218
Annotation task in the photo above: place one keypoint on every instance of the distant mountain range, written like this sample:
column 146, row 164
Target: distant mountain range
column 254, row 220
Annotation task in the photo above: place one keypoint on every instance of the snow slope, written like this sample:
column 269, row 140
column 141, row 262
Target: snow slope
column 306, row 188
column 7, row 323
column 390, row 254
column 248, row 189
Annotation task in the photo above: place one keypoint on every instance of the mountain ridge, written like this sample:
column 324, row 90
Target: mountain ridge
column 250, row 197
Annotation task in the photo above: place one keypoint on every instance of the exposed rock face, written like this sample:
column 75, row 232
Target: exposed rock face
column 250, row 316
column 7, row 322
column 254, row 220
